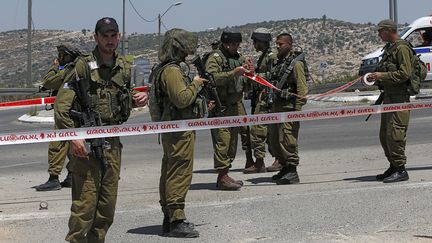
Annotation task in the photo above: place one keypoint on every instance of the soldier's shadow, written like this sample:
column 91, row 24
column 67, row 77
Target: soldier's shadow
column 147, row 230
column 203, row 186
column 361, row 178
column 213, row 171
column 261, row 180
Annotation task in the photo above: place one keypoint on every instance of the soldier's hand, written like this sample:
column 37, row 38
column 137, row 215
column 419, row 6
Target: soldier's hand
column 56, row 63
column 200, row 80
column 374, row 76
column 140, row 99
column 78, row 148
column 238, row 71
column 211, row 104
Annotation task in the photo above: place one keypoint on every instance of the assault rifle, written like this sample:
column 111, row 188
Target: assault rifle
column 209, row 90
column 89, row 117
column 377, row 102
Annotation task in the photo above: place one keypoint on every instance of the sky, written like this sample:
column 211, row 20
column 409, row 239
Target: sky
column 197, row 15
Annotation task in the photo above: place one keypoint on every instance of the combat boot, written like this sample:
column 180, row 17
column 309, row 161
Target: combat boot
column 249, row 159
column 281, row 172
column 165, row 226
column 291, row 177
column 182, row 229
column 67, row 182
column 400, row 174
column 276, row 166
column 52, row 184
column 224, row 182
column 258, row 167
column 386, row 173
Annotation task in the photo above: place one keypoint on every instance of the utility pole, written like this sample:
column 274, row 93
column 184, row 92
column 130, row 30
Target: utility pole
column 393, row 11
column 123, row 40
column 29, row 37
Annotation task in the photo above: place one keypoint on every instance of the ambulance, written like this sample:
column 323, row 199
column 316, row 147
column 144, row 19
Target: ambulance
column 417, row 33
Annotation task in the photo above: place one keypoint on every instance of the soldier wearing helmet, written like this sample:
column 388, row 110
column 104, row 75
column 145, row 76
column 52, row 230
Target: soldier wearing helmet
column 261, row 40
column 58, row 150
column 225, row 64
column 179, row 97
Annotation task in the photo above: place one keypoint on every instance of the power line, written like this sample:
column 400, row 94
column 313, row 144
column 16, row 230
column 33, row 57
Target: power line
column 164, row 26
column 136, row 11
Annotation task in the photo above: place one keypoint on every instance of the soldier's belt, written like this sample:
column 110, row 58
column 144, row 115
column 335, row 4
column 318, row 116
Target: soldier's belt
column 43, row 136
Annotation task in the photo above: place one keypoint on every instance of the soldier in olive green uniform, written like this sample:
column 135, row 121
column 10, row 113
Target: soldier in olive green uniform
column 289, row 75
column 179, row 98
column 58, row 150
column 226, row 67
column 393, row 77
column 94, row 194
column 261, row 38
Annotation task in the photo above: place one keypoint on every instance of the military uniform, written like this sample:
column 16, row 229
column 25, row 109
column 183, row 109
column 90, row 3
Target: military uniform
column 259, row 132
column 180, row 100
column 393, row 77
column 283, row 137
column 58, row 150
column 230, row 89
column 93, row 197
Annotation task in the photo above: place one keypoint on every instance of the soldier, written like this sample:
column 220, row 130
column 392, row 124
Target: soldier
column 225, row 65
column 289, row 75
column 261, row 39
column 393, row 77
column 180, row 100
column 94, row 188
column 58, row 150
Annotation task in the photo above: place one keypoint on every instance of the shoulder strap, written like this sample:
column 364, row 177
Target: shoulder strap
column 288, row 70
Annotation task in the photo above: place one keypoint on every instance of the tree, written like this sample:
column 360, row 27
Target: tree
column 84, row 31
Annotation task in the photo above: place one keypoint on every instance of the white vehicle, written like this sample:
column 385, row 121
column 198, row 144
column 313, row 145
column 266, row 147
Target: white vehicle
column 416, row 33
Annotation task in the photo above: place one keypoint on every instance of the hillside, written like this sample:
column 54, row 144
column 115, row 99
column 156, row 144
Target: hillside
column 341, row 44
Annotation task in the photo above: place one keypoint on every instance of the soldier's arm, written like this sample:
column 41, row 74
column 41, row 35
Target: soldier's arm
column 66, row 97
column 302, row 88
column 53, row 79
column 404, row 70
column 214, row 66
column 180, row 94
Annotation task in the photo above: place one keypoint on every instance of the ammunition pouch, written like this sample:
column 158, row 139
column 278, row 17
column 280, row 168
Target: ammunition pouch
column 113, row 104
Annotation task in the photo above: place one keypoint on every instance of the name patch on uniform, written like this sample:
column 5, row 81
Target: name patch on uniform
column 66, row 86
column 93, row 65
column 216, row 54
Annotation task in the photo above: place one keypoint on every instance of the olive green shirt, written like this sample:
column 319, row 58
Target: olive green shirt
column 396, row 66
column 66, row 95
column 54, row 78
column 179, row 93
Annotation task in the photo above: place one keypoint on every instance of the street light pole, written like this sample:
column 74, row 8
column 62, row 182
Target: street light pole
column 160, row 20
column 29, row 37
column 124, row 31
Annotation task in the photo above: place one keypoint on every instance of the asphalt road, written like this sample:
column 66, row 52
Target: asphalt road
column 338, row 199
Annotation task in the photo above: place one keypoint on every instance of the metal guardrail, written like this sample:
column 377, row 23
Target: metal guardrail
column 21, row 91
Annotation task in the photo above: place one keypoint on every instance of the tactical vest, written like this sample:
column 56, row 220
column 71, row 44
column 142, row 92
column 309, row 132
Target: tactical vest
column 162, row 109
column 234, row 88
column 280, row 73
column 111, row 98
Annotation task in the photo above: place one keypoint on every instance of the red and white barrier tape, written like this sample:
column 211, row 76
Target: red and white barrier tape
column 264, row 82
column 202, row 124
column 46, row 100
